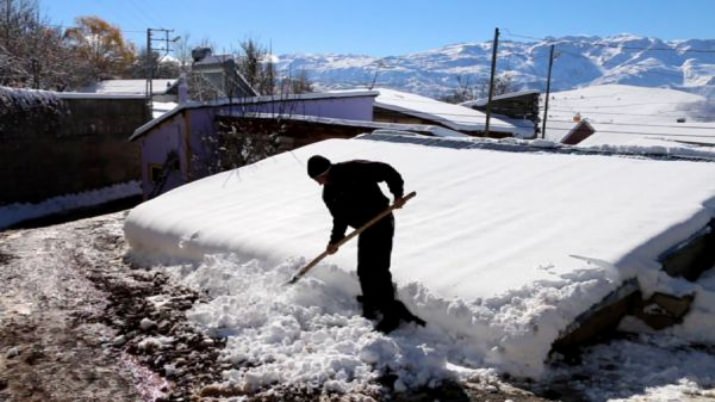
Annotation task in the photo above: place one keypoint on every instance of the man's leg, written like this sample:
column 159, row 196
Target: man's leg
column 374, row 251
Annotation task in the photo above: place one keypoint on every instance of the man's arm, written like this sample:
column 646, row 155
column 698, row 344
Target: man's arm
column 339, row 226
column 380, row 171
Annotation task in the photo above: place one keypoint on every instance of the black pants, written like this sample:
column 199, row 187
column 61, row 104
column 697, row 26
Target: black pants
column 374, row 251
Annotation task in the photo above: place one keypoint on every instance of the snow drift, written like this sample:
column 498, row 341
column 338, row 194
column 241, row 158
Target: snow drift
column 485, row 252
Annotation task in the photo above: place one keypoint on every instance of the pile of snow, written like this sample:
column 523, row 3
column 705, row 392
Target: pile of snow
column 14, row 213
column 311, row 333
column 496, row 251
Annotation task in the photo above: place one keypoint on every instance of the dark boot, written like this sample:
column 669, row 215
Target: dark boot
column 390, row 321
column 394, row 314
column 369, row 310
column 406, row 315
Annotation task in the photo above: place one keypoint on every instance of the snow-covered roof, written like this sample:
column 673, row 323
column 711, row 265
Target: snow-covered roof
column 244, row 101
column 456, row 117
column 500, row 250
column 436, row 131
column 130, row 87
column 161, row 108
column 629, row 115
column 509, row 95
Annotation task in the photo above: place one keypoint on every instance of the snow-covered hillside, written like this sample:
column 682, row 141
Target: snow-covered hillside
column 580, row 61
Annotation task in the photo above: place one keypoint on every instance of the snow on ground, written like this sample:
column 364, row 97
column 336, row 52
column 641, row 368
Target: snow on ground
column 487, row 252
column 630, row 115
column 644, row 368
column 14, row 213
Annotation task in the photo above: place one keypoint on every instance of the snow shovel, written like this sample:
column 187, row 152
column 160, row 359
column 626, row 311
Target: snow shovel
column 346, row 239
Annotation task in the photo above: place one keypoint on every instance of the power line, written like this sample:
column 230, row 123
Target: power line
column 641, row 132
column 593, row 111
column 138, row 10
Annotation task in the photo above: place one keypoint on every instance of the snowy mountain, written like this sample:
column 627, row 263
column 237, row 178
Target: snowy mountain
column 580, row 61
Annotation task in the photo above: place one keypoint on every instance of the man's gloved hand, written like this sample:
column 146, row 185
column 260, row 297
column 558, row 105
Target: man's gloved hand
column 399, row 202
column 331, row 248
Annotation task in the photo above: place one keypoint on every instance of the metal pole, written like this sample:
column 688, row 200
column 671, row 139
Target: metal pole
column 149, row 68
column 491, row 80
column 548, row 90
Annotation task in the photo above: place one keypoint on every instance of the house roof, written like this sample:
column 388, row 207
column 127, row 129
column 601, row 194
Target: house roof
column 223, row 63
column 245, row 101
column 510, row 95
column 455, row 117
column 436, row 131
column 213, row 59
column 130, row 87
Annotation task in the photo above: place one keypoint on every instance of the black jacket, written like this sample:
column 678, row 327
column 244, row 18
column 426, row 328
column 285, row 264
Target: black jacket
column 353, row 195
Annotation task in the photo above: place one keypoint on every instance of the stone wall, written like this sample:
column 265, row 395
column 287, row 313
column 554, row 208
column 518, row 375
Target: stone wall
column 56, row 144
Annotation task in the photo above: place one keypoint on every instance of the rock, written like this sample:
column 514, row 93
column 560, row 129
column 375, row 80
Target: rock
column 13, row 352
column 119, row 340
column 147, row 324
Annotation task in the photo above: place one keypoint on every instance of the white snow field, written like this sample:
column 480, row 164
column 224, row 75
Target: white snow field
column 627, row 115
column 499, row 253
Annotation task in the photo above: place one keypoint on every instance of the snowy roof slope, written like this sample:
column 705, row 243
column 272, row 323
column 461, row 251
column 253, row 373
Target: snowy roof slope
column 130, row 87
column 630, row 115
column 456, row 117
column 485, row 250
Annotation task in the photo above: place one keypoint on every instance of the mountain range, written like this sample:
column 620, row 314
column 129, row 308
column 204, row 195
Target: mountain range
column 579, row 61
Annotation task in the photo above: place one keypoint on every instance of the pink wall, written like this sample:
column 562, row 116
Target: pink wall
column 172, row 133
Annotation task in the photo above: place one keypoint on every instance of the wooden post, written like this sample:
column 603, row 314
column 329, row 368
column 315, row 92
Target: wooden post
column 491, row 80
column 548, row 90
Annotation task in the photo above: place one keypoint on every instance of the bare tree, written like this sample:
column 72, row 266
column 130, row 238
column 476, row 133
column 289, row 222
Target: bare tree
column 256, row 66
column 161, row 67
column 31, row 52
column 182, row 52
column 298, row 84
column 465, row 91
column 238, row 142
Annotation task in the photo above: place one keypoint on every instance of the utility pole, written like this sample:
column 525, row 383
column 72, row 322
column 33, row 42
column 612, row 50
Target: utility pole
column 491, row 80
column 163, row 47
column 548, row 90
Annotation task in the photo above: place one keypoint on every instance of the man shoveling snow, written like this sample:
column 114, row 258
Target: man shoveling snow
column 352, row 194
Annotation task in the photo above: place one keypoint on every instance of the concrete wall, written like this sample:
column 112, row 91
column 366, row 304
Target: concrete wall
column 67, row 146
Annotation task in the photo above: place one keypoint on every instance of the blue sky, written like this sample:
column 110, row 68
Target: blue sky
column 388, row 27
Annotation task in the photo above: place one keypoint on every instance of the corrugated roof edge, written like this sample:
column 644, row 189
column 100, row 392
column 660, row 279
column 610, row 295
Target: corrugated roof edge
column 245, row 101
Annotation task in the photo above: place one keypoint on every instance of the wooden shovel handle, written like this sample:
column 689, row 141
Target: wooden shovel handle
column 347, row 238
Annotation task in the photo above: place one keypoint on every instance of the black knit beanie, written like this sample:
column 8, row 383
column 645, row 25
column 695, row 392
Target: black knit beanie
column 317, row 165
